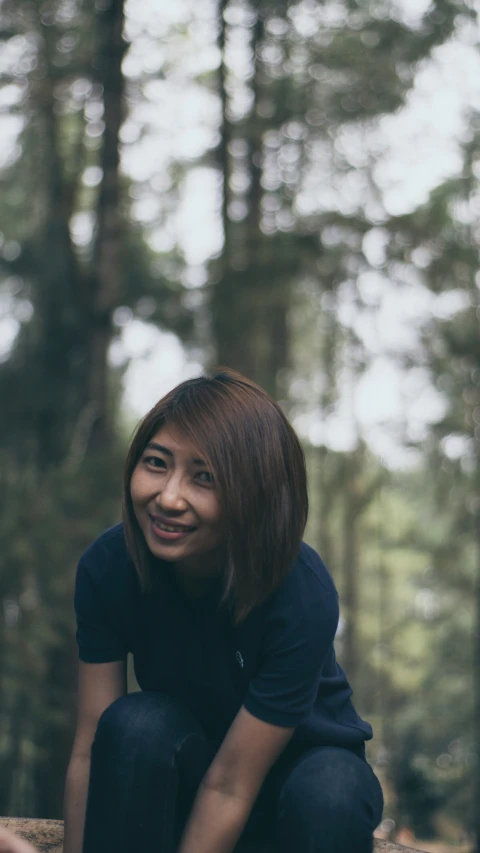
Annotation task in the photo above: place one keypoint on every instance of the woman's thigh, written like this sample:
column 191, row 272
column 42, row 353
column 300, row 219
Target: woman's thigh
column 148, row 758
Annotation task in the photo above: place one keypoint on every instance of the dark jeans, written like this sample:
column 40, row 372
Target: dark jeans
column 149, row 756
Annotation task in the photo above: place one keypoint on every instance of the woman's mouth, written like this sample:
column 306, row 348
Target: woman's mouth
column 170, row 532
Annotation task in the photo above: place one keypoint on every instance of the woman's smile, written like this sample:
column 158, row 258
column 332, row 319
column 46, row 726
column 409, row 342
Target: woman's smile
column 169, row 530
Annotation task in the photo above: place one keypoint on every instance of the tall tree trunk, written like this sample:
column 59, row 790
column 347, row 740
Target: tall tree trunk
column 350, row 565
column 358, row 491
column 59, row 282
column 93, row 417
column 107, row 271
column 476, row 670
column 326, row 500
column 327, row 476
column 222, row 157
column 73, row 329
column 249, row 303
column 255, row 149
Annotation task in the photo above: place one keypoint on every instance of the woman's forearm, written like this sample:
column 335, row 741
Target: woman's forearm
column 215, row 823
column 75, row 803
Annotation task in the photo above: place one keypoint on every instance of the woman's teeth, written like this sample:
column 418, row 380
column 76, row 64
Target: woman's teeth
column 170, row 529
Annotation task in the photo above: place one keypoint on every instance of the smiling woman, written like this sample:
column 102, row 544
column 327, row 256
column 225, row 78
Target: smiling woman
column 233, row 458
column 244, row 727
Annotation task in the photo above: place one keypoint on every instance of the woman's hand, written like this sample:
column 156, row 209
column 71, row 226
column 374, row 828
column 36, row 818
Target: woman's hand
column 13, row 844
column 231, row 784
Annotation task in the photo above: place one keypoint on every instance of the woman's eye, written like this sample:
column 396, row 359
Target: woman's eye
column 154, row 461
column 206, row 477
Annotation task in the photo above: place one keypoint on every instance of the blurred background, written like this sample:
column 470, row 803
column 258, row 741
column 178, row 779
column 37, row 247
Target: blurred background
column 291, row 189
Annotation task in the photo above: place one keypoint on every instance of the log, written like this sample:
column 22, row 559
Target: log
column 47, row 836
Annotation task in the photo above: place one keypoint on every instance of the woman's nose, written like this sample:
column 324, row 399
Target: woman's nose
column 171, row 495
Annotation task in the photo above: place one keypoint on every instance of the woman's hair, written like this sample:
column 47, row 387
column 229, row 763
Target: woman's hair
column 259, row 470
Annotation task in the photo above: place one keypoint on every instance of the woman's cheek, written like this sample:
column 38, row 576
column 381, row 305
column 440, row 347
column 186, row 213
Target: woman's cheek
column 137, row 486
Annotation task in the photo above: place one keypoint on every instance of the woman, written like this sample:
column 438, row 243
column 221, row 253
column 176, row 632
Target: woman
column 244, row 726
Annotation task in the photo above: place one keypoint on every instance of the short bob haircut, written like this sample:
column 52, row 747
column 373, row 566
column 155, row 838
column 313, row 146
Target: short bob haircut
column 259, row 469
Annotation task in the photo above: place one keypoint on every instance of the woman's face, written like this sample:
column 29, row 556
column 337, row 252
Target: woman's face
column 176, row 504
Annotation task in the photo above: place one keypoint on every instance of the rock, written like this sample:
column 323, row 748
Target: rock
column 47, row 836
column 389, row 847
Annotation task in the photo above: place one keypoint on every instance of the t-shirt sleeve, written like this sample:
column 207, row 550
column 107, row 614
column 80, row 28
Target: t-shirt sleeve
column 298, row 640
column 100, row 639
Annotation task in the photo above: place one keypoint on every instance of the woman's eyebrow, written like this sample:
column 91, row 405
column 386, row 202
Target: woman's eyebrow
column 155, row 446
column 160, row 447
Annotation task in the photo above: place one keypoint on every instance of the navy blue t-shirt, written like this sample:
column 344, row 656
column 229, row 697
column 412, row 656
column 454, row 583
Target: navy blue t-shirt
column 279, row 662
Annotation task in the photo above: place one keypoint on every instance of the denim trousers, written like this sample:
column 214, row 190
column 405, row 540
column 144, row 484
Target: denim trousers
column 149, row 756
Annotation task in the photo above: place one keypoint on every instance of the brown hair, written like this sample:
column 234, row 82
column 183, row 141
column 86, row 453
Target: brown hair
column 259, row 469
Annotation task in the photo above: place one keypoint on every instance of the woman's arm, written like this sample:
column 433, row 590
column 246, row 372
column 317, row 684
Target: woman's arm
column 231, row 785
column 99, row 684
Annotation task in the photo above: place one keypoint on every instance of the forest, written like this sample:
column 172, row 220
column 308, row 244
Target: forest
column 211, row 177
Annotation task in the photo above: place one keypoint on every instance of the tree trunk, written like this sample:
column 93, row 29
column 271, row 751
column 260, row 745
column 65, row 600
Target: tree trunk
column 107, row 270
column 326, row 500
column 59, row 283
column 222, row 158
column 359, row 489
column 350, row 566
column 249, row 302
column 476, row 672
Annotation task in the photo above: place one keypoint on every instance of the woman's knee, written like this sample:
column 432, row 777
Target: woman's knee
column 333, row 792
column 151, row 723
